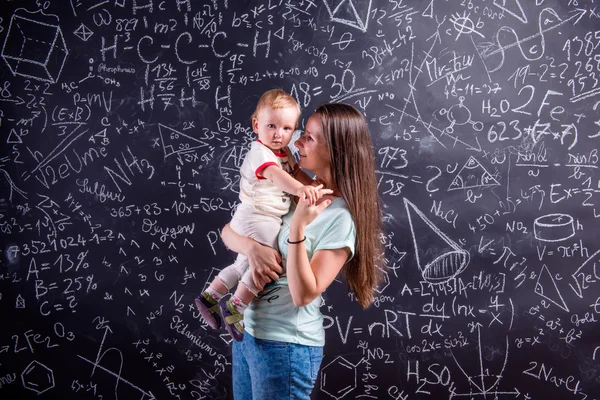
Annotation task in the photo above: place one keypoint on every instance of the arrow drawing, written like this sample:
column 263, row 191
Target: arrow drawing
column 547, row 21
column 101, row 354
column 484, row 371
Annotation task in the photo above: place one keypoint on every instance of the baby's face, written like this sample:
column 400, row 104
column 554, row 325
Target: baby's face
column 275, row 127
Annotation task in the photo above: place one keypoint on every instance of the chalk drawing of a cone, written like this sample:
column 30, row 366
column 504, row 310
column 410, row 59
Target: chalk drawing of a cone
column 435, row 267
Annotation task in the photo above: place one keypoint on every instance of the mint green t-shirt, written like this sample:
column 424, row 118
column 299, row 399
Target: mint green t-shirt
column 272, row 315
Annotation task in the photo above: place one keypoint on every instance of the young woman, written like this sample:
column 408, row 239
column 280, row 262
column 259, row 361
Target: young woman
column 281, row 353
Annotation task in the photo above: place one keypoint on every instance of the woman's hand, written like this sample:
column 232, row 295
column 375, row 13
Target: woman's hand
column 264, row 261
column 264, row 264
column 306, row 213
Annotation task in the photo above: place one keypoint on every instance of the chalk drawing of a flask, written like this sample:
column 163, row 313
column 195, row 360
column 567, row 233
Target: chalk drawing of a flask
column 434, row 267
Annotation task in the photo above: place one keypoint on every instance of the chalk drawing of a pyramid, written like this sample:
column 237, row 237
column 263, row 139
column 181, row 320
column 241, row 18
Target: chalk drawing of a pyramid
column 435, row 268
column 175, row 142
column 352, row 13
column 473, row 175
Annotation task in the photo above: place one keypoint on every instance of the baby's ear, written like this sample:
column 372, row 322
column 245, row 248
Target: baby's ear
column 255, row 125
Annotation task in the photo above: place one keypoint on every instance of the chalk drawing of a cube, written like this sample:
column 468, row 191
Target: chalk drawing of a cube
column 34, row 48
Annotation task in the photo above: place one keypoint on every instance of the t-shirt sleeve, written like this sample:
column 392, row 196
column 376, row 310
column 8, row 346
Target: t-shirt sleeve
column 340, row 233
column 260, row 158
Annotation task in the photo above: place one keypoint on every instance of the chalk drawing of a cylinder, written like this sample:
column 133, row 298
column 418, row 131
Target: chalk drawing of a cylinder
column 35, row 47
column 554, row 227
column 435, row 268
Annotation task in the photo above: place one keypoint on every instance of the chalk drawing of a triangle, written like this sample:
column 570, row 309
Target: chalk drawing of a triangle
column 546, row 287
column 473, row 175
column 513, row 7
column 14, row 137
column 346, row 12
column 175, row 142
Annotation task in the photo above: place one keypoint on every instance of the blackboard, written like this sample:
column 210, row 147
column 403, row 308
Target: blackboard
column 123, row 124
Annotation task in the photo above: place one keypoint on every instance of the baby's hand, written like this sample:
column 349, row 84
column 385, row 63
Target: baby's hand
column 310, row 193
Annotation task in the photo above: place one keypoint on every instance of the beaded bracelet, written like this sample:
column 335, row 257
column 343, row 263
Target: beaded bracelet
column 299, row 241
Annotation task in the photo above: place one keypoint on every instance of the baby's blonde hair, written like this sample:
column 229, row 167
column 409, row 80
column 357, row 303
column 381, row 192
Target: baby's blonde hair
column 275, row 99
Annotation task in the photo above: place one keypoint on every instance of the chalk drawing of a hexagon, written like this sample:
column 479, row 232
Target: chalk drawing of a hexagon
column 384, row 283
column 37, row 377
column 336, row 378
column 224, row 124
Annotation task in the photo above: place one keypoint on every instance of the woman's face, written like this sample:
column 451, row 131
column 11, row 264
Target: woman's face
column 312, row 147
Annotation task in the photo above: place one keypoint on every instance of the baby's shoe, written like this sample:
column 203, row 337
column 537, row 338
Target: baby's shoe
column 209, row 309
column 233, row 319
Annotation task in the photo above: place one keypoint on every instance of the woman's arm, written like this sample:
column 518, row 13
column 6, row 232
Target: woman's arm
column 264, row 260
column 308, row 279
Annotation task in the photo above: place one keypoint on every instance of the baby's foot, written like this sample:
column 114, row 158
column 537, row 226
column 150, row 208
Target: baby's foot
column 233, row 319
column 209, row 309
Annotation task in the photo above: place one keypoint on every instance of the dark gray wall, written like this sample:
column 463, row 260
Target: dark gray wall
column 123, row 124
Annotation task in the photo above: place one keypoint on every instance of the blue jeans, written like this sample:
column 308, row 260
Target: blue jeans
column 270, row 370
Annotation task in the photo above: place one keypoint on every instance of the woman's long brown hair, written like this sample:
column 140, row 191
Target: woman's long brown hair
column 353, row 167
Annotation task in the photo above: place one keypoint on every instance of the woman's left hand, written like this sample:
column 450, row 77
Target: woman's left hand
column 306, row 213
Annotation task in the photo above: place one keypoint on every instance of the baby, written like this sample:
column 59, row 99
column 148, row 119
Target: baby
column 266, row 181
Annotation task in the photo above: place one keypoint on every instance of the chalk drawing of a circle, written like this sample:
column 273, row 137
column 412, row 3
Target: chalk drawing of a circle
column 477, row 125
column 463, row 24
column 446, row 266
column 459, row 114
column 554, row 227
